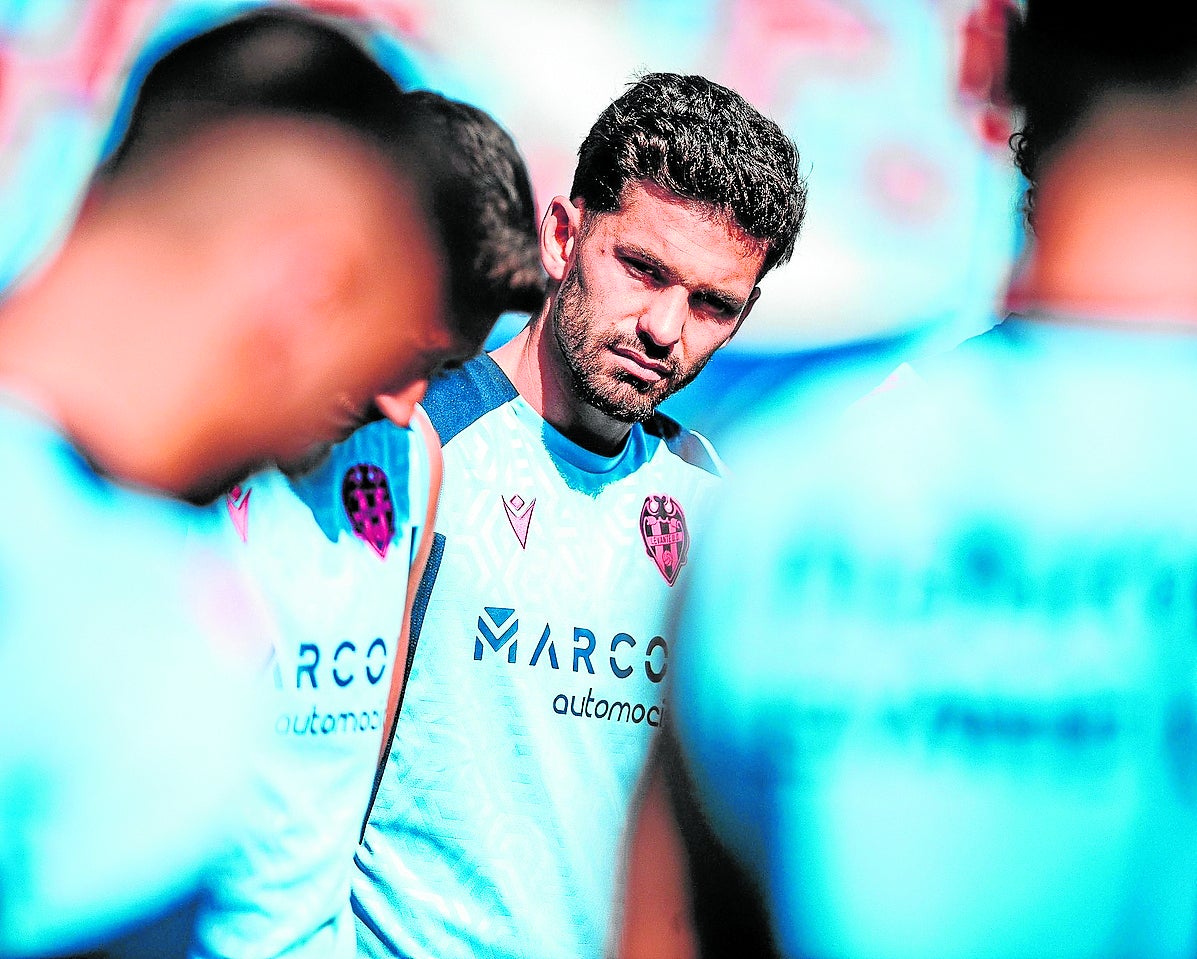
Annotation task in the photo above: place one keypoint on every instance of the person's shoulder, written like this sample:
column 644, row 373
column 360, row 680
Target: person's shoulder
column 1003, row 341
column 382, row 462
column 458, row 397
column 63, row 499
column 688, row 445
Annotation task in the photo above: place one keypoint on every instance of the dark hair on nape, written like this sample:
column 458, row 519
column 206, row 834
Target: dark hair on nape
column 1065, row 56
column 702, row 142
column 271, row 61
column 491, row 232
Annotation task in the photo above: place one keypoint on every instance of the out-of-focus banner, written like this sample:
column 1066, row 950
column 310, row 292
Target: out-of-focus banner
column 911, row 220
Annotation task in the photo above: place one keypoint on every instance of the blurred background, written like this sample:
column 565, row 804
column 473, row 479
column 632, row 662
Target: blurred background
column 913, row 220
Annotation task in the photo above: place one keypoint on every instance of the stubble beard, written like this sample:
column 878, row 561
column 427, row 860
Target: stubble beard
column 615, row 393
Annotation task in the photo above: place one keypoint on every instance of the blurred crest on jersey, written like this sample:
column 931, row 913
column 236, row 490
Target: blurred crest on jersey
column 367, row 498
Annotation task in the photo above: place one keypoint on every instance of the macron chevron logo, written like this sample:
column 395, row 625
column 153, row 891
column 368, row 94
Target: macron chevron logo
column 519, row 515
column 238, row 506
column 491, row 629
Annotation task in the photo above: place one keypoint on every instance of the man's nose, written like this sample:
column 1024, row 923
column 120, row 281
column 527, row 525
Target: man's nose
column 665, row 318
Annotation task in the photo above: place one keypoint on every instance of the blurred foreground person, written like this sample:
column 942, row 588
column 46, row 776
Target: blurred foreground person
column 338, row 551
column 250, row 269
column 943, row 702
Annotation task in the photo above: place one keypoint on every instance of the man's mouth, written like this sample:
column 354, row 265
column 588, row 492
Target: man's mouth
column 640, row 366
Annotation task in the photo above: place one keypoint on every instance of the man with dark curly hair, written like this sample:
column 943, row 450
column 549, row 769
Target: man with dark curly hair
column 568, row 509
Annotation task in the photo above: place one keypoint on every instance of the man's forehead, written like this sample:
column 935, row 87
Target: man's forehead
column 657, row 220
column 638, row 192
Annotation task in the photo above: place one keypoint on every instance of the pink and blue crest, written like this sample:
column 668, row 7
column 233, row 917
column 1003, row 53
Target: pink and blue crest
column 366, row 495
column 666, row 539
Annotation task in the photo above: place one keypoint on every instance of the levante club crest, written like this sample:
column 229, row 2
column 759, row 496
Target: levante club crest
column 666, row 539
column 367, row 498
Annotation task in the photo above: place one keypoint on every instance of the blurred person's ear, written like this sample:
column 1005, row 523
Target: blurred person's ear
column 981, row 83
column 298, row 288
column 399, row 406
column 559, row 231
column 294, row 290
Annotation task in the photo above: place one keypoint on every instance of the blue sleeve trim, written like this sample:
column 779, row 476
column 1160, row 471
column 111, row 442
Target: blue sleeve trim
column 423, row 595
column 460, row 397
column 418, row 609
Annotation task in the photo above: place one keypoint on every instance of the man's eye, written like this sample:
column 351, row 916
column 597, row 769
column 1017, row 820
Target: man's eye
column 717, row 307
column 643, row 269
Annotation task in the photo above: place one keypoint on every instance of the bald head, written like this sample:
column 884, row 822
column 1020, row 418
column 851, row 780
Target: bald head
column 253, row 266
column 271, row 62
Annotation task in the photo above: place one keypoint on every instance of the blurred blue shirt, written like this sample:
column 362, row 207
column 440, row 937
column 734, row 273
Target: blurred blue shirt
column 943, row 701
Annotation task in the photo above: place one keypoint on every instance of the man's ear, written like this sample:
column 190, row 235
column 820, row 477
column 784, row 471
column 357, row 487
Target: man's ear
column 559, row 232
column 752, row 298
column 295, row 296
column 981, row 83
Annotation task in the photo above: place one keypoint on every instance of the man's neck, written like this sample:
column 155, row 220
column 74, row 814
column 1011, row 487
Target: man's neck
column 539, row 373
column 1116, row 225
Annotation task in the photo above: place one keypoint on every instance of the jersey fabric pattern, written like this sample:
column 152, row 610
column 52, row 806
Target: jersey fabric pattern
column 959, row 718
column 535, row 685
column 125, row 728
column 331, row 551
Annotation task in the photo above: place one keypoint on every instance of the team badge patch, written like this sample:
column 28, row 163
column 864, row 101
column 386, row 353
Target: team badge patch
column 519, row 515
column 237, row 502
column 666, row 539
column 367, row 498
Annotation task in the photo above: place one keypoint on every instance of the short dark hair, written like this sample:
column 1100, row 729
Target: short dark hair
column 700, row 141
column 492, row 235
column 1064, row 56
column 272, row 61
